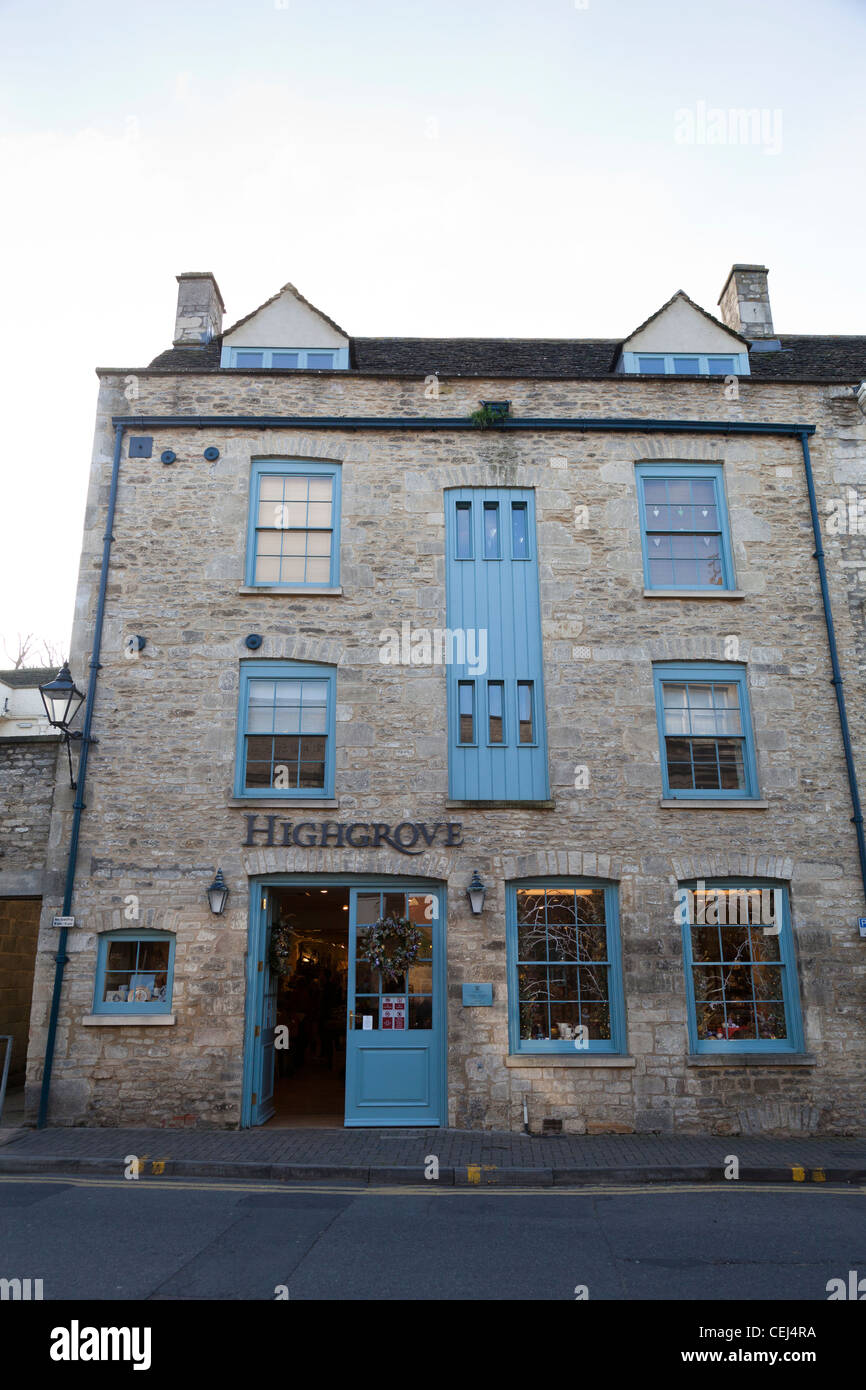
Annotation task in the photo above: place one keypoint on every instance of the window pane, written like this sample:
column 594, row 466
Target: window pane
column 519, row 531
column 464, row 531
column 466, row 711
column 249, row 359
column 270, row 488
column 320, row 359
column 491, row 530
column 686, row 366
column 320, row 489
column 284, row 359
column 292, row 570
column 654, row 365
column 318, row 571
column 524, row 712
column 723, row 365
column 495, row 707
column 318, row 514
column 268, row 570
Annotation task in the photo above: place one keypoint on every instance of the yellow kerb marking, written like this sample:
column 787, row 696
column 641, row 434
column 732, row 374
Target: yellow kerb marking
column 798, row 1174
column 818, row 1175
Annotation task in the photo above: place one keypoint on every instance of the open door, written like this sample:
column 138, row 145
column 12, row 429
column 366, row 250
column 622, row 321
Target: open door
column 266, row 1010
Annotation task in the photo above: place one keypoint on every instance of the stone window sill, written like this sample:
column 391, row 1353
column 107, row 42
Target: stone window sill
column 683, row 804
column 290, row 590
column 263, row 804
column 562, row 1059
column 128, row 1020
column 753, row 1059
column 694, row 593
column 500, row 805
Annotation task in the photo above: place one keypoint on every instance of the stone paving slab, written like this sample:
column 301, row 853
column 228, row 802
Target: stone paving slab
column 396, row 1156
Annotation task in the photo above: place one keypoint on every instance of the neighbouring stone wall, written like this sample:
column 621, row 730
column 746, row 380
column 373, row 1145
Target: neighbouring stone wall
column 27, row 768
column 19, row 931
column 160, row 817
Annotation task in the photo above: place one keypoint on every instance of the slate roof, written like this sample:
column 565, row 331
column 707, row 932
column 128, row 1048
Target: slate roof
column 28, row 676
column 801, row 358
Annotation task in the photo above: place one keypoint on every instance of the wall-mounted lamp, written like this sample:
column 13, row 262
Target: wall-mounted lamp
column 62, row 700
column 475, row 893
column 217, row 894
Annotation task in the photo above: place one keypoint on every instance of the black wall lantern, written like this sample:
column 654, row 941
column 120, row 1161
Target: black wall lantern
column 62, row 700
column 217, row 894
column 475, row 893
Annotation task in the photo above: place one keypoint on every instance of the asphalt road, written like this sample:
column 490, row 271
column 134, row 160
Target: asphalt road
column 179, row 1239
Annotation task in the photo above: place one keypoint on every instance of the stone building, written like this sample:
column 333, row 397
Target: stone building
column 528, row 644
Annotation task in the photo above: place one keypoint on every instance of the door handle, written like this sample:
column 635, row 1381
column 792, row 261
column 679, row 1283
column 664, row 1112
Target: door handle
column 351, row 1019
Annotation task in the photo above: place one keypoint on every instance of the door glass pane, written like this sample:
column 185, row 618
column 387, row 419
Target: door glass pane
column 491, row 530
column 519, row 532
column 395, row 904
column 368, row 907
column 466, row 711
column 464, row 531
column 524, row 711
column 420, row 1011
column 367, row 1006
column 495, row 705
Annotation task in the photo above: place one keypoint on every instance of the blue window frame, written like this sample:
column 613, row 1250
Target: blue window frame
column 294, row 525
column 741, row 974
column 286, row 730
column 134, row 973
column 705, row 731
column 564, row 967
column 281, row 359
column 684, row 526
column 686, row 363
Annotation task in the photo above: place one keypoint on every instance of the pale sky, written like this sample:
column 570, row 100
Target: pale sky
column 514, row 168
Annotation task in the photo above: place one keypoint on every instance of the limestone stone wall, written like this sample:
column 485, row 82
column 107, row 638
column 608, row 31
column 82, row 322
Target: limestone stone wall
column 27, row 767
column 160, row 815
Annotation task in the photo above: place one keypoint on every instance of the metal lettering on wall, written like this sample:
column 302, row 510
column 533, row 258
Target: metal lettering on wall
column 331, row 834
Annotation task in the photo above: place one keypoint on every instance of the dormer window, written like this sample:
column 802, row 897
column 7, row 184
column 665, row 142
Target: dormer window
column 686, row 364
column 286, row 359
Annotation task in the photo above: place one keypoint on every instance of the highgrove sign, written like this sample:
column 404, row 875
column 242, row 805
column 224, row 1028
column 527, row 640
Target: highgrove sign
column 409, row 837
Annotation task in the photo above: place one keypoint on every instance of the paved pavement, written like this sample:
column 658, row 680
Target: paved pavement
column 483, row 1158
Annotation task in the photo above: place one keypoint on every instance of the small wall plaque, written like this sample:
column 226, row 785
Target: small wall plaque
column 63, row 921
column 477, row 994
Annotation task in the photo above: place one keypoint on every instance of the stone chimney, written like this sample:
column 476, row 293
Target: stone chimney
column 200, row 309
column 745, row 302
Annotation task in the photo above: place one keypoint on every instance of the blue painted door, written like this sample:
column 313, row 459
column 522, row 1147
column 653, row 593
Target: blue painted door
column 263, row 1052
column 497, row 734
column 395, row 1034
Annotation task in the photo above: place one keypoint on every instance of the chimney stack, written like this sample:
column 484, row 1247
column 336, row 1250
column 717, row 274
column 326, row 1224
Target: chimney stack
column 200, row 309
column 745, row 302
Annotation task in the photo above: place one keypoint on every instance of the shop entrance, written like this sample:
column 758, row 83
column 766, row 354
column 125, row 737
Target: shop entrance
column 330, row 1039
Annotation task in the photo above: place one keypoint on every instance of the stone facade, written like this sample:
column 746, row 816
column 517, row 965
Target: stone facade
column 161, row 815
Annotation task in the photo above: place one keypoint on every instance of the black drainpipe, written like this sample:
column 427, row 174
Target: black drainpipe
column 857, row 818
column 81, row 779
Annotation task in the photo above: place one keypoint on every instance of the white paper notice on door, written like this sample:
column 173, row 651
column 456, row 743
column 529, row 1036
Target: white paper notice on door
column 367, row 1022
